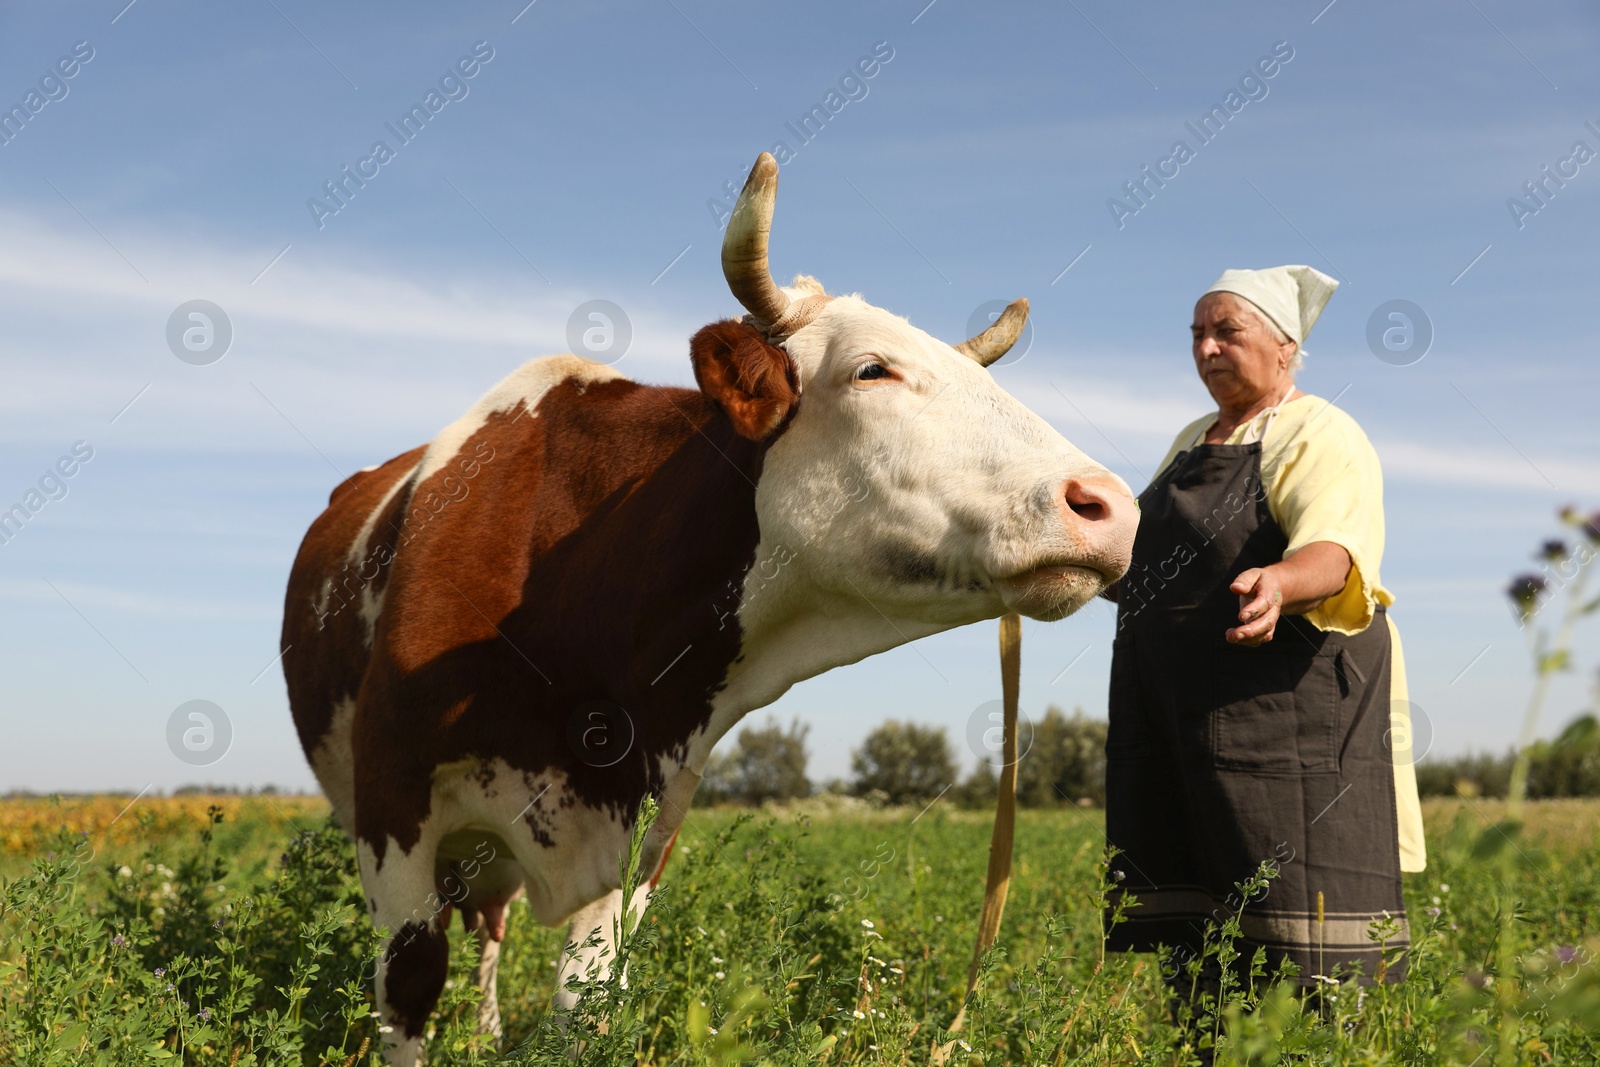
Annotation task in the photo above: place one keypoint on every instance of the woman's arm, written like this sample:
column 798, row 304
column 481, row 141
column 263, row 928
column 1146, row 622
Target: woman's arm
column 1295, row 586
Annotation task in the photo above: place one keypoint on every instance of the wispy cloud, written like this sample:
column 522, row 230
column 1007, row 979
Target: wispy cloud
column 304, row 290
column 355, row 354
column 1484, row 468
column 108, row 599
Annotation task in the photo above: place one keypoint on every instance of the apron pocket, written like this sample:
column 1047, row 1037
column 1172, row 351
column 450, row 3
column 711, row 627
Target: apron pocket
column 1325, row 682
column 1275, row 708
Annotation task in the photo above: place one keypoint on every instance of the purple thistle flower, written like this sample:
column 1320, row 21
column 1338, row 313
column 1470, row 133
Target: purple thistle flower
column 1525, row 591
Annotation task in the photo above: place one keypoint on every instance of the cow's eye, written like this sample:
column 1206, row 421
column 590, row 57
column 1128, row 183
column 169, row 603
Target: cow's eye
column 871, row 372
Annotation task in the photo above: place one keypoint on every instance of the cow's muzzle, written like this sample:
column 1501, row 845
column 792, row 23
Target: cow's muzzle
column 1100, row 519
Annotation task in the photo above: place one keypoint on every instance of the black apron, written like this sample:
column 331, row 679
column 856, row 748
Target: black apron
column 1220, row 756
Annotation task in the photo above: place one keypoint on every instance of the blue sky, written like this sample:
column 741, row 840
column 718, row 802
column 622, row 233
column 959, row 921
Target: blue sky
column 578, row 165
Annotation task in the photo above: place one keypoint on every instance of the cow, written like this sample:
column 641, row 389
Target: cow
column 498, row 644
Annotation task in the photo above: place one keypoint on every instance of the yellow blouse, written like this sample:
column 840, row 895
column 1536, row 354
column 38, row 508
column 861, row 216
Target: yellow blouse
column 1324, row 483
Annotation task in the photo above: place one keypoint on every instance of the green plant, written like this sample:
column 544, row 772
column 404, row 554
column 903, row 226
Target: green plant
column 800, row 937
column 1566, row 572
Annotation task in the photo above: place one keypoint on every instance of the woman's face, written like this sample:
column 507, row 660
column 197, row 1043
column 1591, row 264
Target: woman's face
column 1235, row 354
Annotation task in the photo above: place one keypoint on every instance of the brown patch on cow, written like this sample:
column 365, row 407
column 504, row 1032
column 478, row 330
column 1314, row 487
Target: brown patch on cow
column 754, row 382
column 484, row 774
column 535, row 816
column 325, row 655
column 418, row 959
column 591, row 554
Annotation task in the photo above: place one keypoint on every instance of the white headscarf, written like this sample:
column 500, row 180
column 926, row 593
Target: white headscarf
column 1292, row 296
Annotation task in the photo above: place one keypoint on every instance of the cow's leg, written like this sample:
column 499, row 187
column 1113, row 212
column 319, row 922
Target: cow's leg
column 488, row 972
column 488, row 925
column 482, row 886
column 600, row 922
column 591, row 944
column 416, row 955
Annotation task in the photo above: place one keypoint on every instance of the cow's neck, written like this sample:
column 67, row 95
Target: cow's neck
column 677, row 609
column 798, row 634
column 632, row 599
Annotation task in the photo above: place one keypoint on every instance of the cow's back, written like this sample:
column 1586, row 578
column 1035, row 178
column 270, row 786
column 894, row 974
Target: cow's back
column 338, row 585
column 335, row 591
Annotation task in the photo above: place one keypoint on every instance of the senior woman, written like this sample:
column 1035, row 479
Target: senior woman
column 1254, row 669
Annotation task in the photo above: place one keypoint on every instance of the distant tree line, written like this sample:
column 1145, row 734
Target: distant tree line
column 1063, row 762
column 1568, row 766
column 192, row 789
column 767, row 763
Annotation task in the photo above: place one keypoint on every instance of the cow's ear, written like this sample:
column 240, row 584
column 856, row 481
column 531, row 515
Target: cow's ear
column 754, row 382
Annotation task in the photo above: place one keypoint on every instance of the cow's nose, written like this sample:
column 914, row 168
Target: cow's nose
column 1102, row 513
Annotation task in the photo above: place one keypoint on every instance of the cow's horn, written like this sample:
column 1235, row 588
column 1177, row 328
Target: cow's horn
column 997, row 340
column 744, row 247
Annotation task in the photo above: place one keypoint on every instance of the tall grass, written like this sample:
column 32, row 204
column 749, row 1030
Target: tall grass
column 803, row 936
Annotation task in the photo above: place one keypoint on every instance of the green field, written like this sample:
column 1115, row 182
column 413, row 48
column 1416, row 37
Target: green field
column 820, row 933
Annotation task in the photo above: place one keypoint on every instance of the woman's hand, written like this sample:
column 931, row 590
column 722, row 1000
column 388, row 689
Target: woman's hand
column 1260, row 606
column 1295, row 586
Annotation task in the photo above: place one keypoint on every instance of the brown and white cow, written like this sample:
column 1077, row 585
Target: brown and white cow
column 497, row 644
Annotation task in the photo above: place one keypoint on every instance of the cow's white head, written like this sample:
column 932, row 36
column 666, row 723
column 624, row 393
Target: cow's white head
column 899, row 472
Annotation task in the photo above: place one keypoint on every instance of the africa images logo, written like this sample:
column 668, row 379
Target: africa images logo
column 1252, row 87
column 1538, row 192
column 852, row 86
column 452, row 87
column 52, row 485
column 52, row 88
